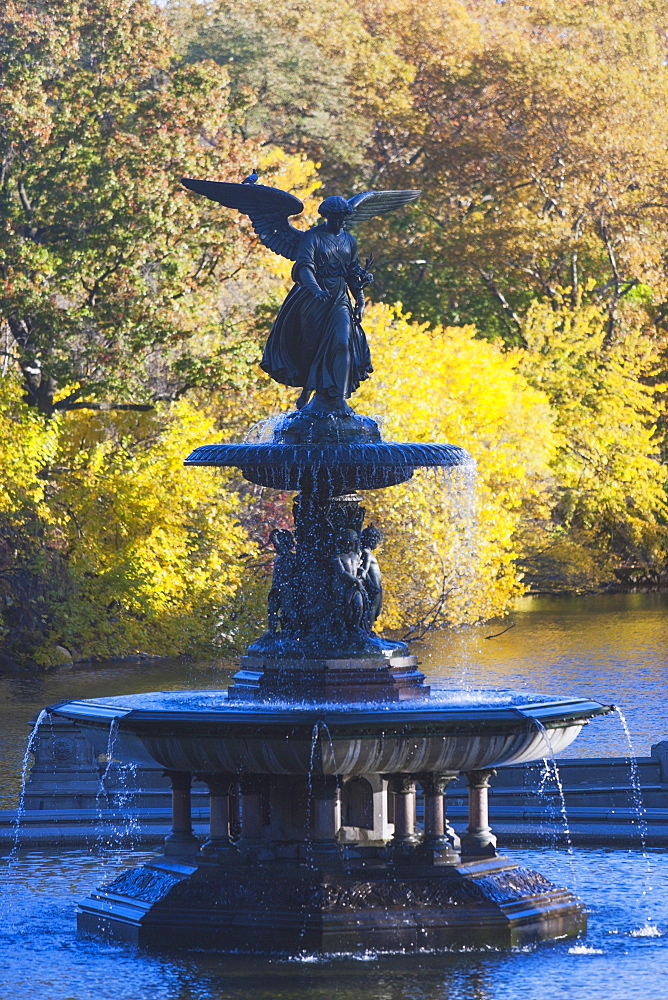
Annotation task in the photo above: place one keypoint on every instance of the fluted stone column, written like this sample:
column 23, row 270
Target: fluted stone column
column 219, row 841
column 405, row 837
column 326, row 815
column 251, row 814
column 181, row 840
column 479, row 841
column 439, row 836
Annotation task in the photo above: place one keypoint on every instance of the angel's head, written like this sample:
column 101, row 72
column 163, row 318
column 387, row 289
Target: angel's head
column 335, row 210
column 334, row 205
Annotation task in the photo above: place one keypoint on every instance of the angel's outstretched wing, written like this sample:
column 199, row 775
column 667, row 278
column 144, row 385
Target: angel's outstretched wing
column 371, row 203
column 268, row 209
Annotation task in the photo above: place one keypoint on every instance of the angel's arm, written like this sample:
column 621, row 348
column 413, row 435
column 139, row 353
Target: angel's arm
column 304, row 271
column 357, row 279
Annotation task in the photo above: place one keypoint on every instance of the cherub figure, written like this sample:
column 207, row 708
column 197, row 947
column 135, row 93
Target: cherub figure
column 347, row 587
column 369, row 572
column 280, row 602
column 317, row 341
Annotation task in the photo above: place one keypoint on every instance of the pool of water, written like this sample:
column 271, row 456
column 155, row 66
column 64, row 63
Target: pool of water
column 624, row 956
column 607, row 649
column 610, row 649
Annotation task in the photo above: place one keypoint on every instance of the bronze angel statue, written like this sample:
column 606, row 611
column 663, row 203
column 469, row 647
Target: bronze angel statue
column 317, row 342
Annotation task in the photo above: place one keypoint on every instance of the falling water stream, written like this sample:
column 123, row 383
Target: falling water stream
column 25, row 767
column 611, row 649
column 634, row 777
column 552, row 772
column 649, row 929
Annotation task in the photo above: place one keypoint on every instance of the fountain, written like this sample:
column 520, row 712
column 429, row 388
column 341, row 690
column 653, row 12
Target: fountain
column 314, row 756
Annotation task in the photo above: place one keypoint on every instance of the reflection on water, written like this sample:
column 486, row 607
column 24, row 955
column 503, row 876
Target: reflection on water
column 610, row 649
column 625, row 954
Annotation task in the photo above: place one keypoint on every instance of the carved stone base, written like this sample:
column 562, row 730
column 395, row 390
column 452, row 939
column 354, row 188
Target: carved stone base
column 335, row 679
column 275, row 907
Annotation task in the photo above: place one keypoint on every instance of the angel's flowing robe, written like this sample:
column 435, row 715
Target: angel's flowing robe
column 320, row 345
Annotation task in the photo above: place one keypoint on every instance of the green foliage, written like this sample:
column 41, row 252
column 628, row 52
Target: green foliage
column 608, row 492
column 534, row 266
column 107, row 265
column 309, row 77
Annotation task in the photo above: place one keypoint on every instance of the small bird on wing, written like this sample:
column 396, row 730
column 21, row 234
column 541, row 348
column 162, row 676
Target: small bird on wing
column 252, row 178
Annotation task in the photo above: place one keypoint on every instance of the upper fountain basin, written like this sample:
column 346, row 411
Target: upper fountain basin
column 332, row 453
column 342, row 468
column 200, row 731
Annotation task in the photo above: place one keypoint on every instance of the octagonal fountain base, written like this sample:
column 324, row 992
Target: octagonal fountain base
column 313, row 840
column 326, row 909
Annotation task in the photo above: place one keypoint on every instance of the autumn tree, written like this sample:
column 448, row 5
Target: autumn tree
column 535, row 132
column 451, row 538
column 537, row 138
column 606, row 506
column 110, row 272
column 307, row 76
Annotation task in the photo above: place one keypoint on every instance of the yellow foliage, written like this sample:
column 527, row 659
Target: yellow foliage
column 609, row 487
column 452, row 534
column 27, row 444
column 154, row 543
column 109, row 545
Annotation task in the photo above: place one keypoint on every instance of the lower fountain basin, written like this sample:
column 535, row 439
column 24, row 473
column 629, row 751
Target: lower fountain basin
column 200, row 731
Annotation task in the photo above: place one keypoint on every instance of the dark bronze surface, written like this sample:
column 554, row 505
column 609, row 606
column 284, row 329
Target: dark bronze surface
column 267, row 907
column 317, row 341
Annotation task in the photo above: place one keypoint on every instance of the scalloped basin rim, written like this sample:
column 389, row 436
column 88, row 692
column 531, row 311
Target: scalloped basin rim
column 288, row 739
column 550, row 714
column 386, row 453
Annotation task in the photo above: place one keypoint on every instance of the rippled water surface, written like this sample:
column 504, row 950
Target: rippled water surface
column 624, row 956
column 610, row 649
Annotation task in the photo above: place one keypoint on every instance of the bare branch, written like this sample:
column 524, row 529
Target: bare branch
column 25, row 201
column 491, row 285
column 430, row 619
column 140, row 407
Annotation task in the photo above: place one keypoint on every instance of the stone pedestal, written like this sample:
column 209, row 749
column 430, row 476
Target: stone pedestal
column 394, row 677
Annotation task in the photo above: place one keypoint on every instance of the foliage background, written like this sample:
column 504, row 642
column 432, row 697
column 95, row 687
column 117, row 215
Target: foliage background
column 519, row 307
